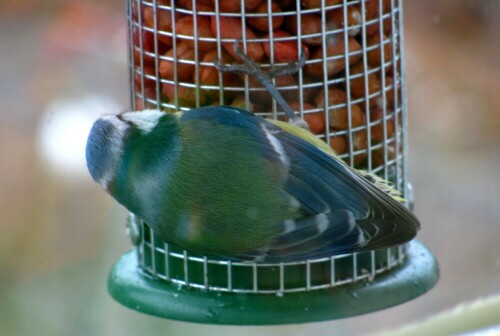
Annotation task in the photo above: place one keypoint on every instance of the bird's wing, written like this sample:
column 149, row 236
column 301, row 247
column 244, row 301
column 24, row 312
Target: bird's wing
column 343, row 211
column 325, row 185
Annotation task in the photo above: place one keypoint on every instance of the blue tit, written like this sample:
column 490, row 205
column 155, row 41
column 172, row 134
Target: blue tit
column 220, row 181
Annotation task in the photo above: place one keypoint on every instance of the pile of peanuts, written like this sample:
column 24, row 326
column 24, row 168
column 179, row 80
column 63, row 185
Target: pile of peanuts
column 188, row 78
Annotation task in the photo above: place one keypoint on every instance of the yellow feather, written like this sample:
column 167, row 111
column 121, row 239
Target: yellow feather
column 305, row 135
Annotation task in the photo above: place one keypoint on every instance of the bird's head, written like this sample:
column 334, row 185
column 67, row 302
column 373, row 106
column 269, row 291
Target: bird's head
column 112, row 136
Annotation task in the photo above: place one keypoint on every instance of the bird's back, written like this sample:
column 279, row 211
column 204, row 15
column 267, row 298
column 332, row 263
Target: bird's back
column 224, row 195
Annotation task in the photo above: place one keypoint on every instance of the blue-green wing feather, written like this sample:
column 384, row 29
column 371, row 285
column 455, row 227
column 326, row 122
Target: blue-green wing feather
column 322, row 185
column 383, row 220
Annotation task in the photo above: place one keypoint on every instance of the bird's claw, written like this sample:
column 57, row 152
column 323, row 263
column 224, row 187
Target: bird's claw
column 250, row 67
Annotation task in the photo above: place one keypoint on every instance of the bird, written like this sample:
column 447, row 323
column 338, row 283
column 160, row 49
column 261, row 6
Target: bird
column 222, row 182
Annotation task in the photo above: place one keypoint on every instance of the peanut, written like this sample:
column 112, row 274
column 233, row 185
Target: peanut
column 318, row 3
column 375, row 55
column 338, row 144
column 234, row 6
column 144, row 41
column 372, row 15
column 315, row 120
column 337, row 109
column 261, row 23
column 335, row 19
column 310, row 24
column 357, row 83
column 185, row 26
column 231, row 28
column 163, row 22
column 184, row 70
column 377, row 130
column 148, row 82
column 201, row 5
column 283, row 51
column 336, row 48
column 209, row 75
column 389, row 94
column 186, row 95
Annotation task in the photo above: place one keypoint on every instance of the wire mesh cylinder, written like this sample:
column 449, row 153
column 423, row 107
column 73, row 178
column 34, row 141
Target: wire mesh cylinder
column 166, row 262
column 351, row 89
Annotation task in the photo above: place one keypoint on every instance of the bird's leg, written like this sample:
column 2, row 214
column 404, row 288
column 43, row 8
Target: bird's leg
column 250, row 67
column 238, row 68
column 289, row 69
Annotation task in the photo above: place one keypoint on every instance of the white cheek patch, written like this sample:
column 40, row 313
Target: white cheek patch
column 120, row 127
column 145, row 121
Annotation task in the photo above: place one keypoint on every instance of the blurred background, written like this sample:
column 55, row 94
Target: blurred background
column 64, row 62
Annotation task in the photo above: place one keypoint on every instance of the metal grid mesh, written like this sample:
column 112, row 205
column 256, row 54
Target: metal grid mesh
column 351, row 91
column 165, row 262
column 359, row 109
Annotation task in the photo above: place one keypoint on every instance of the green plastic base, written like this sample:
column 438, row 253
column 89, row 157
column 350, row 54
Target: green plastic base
column 134, row 290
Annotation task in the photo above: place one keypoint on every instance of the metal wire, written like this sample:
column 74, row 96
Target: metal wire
column 385, row 156
column 373, row 139
column 156, row 260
